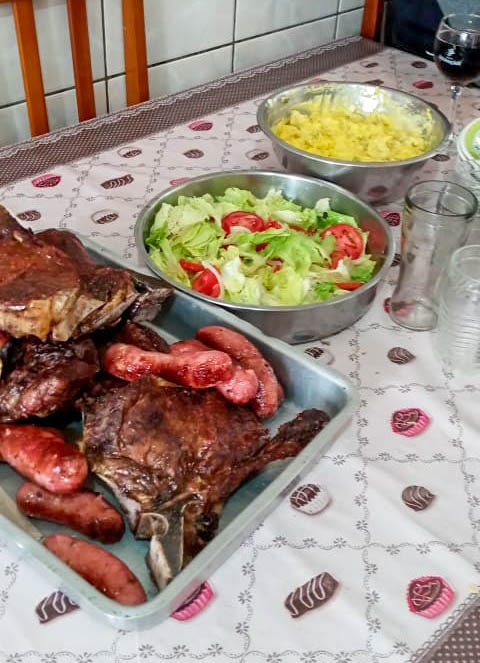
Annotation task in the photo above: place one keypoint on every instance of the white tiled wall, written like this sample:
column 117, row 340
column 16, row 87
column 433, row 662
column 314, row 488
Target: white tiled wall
column 188, row 43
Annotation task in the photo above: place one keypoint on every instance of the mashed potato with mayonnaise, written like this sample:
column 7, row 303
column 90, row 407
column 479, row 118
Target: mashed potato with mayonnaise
column 340, row 133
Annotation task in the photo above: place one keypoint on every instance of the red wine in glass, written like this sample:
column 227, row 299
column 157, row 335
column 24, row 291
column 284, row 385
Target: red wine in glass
column 459, row 63
column 457, row 54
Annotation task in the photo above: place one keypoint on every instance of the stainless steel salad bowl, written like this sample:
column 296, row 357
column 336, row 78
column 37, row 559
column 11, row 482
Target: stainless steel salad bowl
column 294, row 324
column 375, row 182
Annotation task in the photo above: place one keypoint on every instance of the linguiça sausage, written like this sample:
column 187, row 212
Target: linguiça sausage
column 270, row 393
column 188, row 346
column 195, row 369
column 239, row 389
column 83, row 510
column 43, row 456
column 98, row 567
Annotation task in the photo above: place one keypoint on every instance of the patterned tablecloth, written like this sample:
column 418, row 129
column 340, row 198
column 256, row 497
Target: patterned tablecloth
column 367, row 538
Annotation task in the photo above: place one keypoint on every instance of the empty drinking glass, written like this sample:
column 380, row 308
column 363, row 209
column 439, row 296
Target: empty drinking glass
column 457, row 341
column 435, row 222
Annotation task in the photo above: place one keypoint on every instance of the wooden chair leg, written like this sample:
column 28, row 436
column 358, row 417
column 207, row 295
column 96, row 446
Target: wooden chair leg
column 372, row 19
column 135, row 50
column 82, row 65
column 31, row 69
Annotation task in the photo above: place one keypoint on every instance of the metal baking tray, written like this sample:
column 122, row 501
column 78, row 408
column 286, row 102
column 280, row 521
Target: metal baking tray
column 306, row 384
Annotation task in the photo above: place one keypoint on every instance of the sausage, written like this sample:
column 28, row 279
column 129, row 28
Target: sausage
column 85, row 511
column 195, row 369
column 98, row 567
column 269, row 394
column 185, row 347
column 42, row 456
column 242, row 386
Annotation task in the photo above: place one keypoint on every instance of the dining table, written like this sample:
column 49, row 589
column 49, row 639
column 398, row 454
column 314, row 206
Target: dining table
column 376, row 539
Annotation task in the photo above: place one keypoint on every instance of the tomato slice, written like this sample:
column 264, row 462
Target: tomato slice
column 349, row 239
column 190, row 265
column 335, row 258
column 271, row 223
column 349, row 285
column 207, row 283
column 276, row 264
column 246, row 220
column 260, row 247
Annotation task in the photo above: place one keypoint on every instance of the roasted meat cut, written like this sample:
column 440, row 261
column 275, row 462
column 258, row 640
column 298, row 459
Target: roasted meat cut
column 173, row 455
column 45, row 377
column 50, row 287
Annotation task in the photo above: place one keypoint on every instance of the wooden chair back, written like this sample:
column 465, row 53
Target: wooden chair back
column 134, row 46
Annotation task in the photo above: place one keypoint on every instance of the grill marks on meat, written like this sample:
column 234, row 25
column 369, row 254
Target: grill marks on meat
column 46, row 377
column 50, row 288
column 181, row 452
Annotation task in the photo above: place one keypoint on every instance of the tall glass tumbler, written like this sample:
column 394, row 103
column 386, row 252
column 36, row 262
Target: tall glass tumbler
column 457, row 341
column 435, row 221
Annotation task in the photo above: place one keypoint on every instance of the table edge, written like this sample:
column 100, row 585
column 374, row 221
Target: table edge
column 79, row 141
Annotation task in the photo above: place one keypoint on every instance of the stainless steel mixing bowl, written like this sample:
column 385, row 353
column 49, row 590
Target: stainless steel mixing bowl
column 375, row 182
column 294, row 324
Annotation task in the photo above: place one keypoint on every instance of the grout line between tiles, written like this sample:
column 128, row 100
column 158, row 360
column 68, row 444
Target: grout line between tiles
column 104, row 39
column 234, row 34
column 233, row 44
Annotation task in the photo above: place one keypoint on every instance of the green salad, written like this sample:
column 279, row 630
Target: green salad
column 266, row 251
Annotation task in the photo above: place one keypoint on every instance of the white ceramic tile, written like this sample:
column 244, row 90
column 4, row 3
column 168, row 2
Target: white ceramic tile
column 283, row 43
column 13, row 124
column 62, row 107
column 349, row 24
column 347, row 5
column 255, row 17
column 174, row 29
column 176, row 76
column 11, row 88
column 62, row 111
column 54, row 44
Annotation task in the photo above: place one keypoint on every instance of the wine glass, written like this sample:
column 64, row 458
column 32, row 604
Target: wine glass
column 457, row 54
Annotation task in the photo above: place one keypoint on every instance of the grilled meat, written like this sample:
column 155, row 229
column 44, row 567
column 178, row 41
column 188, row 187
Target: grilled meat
column 50, row 288
column 172, row 456
column 142, row 337
column 45, row 377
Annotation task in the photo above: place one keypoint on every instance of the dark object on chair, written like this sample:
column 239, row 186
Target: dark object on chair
column 412, row 25
column 408, row 25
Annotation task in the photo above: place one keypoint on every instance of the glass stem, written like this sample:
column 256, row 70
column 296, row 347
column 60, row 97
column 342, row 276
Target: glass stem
column 455, row 91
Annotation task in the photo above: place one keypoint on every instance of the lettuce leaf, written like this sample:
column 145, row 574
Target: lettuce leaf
column 279, row 266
